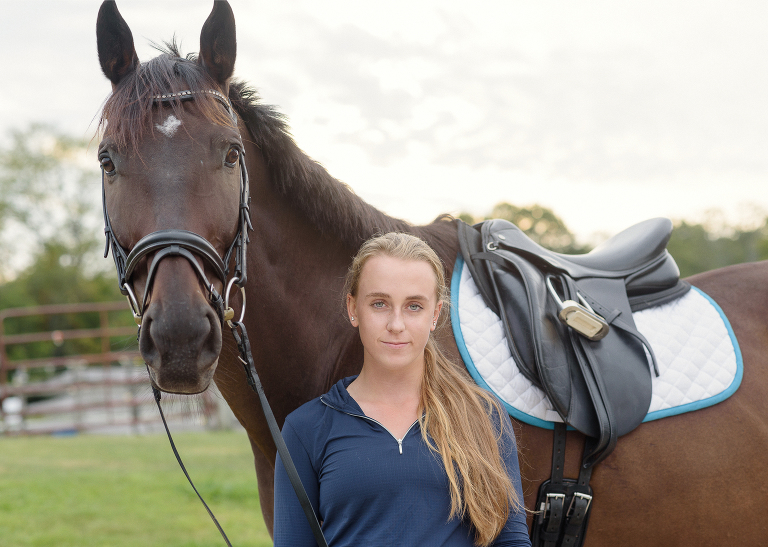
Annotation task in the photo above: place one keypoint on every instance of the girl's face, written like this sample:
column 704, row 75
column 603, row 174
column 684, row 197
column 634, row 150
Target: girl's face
column 395, row 309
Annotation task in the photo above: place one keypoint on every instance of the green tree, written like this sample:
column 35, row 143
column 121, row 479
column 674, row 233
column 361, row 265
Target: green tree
column 541, row 224
column 46, row 195
column 50, row 237
column 697, row 249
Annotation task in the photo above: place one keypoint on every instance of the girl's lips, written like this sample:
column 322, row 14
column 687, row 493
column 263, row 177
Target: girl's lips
column 395, row 344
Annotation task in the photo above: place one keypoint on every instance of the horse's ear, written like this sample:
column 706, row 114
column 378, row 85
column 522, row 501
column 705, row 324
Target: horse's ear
column 115, row 43
column 218, row 45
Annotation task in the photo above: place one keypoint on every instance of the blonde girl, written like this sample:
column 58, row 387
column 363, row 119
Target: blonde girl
column 410, row 452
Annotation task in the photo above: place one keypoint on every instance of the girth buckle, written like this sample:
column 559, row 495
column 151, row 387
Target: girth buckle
column 547, row 504
column 581, row 496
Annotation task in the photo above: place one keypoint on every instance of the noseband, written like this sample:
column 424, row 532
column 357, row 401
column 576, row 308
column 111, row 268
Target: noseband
column 176, row 242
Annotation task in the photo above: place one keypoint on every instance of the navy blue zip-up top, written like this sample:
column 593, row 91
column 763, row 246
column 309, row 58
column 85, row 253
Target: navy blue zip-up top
column 370, row 489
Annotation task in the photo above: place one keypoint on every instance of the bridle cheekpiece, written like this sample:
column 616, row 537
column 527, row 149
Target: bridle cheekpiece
column 177, row 242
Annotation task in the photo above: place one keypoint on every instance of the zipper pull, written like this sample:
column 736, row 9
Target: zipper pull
column 400, row 444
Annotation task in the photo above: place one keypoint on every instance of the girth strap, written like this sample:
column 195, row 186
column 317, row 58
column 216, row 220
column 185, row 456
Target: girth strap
column 563, row 504
column 556, row 500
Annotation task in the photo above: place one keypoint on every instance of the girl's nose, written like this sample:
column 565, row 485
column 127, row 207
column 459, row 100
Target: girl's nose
column 396, row 323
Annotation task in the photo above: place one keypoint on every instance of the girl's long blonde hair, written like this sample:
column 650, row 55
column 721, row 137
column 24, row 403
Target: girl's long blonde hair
column 454, row 412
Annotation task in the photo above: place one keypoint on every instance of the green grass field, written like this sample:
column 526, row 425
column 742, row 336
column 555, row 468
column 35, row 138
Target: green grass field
column 115, row 491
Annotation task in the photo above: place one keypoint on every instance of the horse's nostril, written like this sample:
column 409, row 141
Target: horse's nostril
column 181, row 344
column 147, row 346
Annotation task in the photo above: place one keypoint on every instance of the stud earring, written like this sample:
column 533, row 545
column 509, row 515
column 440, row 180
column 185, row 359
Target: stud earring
column 351, row 319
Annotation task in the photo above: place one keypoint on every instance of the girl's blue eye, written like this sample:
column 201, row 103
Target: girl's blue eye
column 378, row 304
column 414, row 307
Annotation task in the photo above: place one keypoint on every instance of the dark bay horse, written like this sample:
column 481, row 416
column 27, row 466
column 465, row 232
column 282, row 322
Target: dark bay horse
column 695, row 479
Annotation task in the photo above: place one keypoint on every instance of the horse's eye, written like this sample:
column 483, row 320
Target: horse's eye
column 107, row 165
column 232, row 156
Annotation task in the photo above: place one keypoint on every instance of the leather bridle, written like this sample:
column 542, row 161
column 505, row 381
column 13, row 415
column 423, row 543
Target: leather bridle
column 176, row 242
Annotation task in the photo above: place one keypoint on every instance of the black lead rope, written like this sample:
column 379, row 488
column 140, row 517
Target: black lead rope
column 156, row 392
column 182, row 242
column 244, row 346
column 246, row 358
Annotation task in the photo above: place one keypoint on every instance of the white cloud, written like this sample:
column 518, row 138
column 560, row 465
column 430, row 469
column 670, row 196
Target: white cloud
column 606, row 112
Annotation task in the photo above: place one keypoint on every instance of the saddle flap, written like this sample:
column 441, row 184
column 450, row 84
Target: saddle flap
column 600, row 386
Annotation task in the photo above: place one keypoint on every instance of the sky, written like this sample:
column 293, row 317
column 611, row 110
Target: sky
column 607, row 112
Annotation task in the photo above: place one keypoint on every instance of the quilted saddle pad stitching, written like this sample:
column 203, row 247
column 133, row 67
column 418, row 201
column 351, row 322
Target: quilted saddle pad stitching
column 679, row 386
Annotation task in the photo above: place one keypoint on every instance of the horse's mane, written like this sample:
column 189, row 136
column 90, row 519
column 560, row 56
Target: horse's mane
column 330, row 205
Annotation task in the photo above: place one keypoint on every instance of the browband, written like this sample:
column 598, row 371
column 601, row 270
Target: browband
column 188, row 95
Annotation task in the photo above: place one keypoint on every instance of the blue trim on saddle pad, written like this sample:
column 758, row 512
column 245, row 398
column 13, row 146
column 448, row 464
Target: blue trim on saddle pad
column 538, row 422
column 515, row 413
column 723, row 395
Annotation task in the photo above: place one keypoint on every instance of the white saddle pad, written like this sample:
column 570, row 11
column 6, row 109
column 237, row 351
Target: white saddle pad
column 696, row 351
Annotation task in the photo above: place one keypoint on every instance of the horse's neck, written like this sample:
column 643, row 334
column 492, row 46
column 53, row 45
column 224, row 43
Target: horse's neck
column 296, row 270
column 295, row 281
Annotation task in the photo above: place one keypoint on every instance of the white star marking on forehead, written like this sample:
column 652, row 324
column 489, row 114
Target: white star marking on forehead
column 170, row 126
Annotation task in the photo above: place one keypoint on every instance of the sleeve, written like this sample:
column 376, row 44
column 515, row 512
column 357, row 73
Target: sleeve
column 515, row 532
column 291, row 528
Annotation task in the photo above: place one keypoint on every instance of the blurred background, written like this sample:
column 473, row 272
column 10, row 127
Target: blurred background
column 572, row 119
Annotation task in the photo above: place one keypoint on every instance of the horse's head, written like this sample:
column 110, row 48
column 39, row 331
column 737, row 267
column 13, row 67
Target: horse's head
column 175, row 193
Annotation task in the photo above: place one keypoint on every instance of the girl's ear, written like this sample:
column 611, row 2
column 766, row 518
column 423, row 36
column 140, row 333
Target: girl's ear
column 436, row 315
column 352, row 309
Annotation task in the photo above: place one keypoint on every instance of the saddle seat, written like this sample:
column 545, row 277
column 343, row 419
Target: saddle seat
column 637, row 254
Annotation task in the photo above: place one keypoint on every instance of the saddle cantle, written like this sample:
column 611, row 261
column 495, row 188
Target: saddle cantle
column 568, row 319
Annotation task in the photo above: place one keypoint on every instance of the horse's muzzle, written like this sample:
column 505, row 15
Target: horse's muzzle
column 181, row 342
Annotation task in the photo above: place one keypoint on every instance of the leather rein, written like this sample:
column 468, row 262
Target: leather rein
column 176, row 242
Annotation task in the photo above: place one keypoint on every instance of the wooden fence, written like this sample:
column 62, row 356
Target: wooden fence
column 76, row 367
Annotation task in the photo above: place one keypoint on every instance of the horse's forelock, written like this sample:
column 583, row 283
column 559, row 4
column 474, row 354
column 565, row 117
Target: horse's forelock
column 127, row 113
